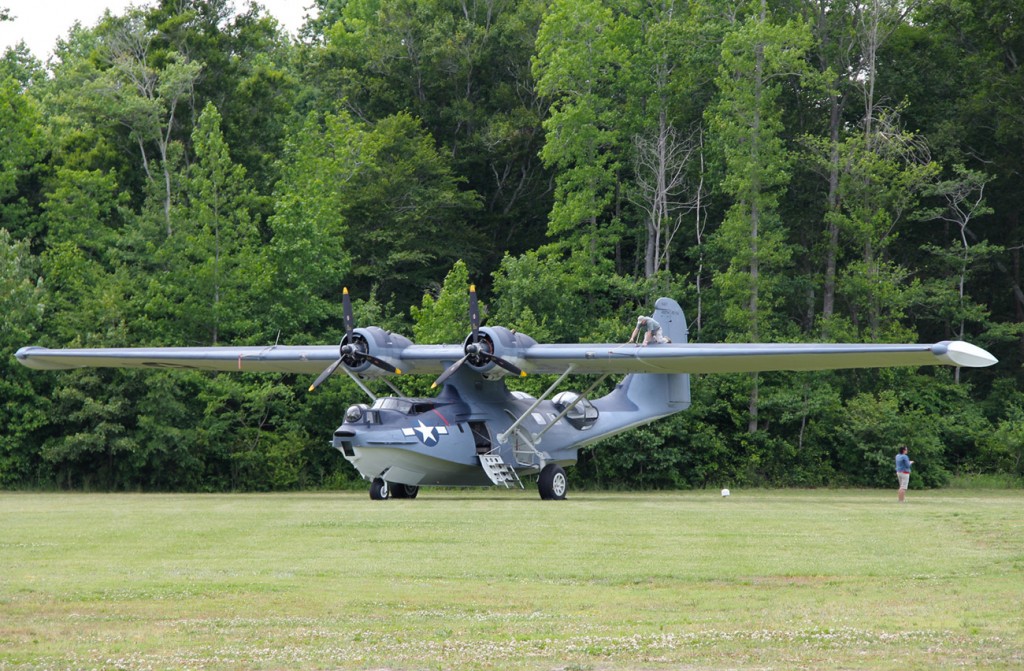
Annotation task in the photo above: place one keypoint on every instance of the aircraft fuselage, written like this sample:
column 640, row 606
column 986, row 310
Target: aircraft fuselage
column 440, row 441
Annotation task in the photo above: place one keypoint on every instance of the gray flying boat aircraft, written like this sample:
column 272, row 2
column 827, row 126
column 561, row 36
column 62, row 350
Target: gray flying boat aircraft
column 476, row 432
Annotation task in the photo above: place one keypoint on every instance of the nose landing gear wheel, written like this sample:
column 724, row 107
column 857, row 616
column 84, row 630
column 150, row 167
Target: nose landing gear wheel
column 552, row 483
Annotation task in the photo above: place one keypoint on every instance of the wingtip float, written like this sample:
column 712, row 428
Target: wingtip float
column 964, row 354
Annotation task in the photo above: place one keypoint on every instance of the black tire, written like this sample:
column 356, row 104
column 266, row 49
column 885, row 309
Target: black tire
column 404, row 491
column 552, row 483
column 379, row 490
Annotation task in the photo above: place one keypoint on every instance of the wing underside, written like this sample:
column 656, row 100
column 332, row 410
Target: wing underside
column 749, row 358
column 593, row 358
column 277, row 359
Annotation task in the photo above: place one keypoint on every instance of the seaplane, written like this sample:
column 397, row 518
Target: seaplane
column 477, row 432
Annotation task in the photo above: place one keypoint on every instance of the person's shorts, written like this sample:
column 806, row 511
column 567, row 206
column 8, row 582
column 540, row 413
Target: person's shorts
column 904, row 479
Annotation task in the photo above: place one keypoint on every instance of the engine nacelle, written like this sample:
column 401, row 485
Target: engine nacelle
column 359, row 348
column 495, row 341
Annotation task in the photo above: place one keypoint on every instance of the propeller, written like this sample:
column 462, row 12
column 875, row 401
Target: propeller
column 479, row 348
column 354, row 349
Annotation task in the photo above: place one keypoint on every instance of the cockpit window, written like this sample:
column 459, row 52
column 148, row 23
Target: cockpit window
column 406, row 406
column 392, row 403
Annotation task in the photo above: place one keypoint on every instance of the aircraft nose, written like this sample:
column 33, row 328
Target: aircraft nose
column 343, row 439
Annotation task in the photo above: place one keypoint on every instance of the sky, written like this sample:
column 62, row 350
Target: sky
column 41, row 22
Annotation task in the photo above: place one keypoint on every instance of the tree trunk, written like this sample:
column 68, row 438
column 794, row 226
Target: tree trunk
column 832, row 249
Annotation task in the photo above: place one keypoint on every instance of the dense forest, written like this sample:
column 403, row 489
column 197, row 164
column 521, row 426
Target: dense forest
column 795, row 170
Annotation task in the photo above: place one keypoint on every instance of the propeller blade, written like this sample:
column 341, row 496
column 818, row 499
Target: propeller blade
column 346, row 306
column 329, row 371
column 473, row 348
column 474, row 313
column 381, row 363
column 351, row 349
column 515, row 370
column 448, row 372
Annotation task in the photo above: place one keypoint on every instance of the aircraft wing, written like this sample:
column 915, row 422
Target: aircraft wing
column 272, row 359
column 747, row 358
column 537, row 358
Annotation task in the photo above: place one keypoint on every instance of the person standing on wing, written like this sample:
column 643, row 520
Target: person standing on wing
column 903, row 463
column 652, row 330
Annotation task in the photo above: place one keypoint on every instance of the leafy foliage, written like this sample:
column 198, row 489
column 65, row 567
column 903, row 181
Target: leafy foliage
column 184, row 174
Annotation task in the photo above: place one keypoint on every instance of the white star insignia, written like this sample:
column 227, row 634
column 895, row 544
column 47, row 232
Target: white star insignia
column 429, row 435
column 426, row 432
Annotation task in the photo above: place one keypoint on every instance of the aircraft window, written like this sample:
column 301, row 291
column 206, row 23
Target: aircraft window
column 393, row 403
column 404, row 405
column 361, row 413
column 355, row 412
column 582, row 415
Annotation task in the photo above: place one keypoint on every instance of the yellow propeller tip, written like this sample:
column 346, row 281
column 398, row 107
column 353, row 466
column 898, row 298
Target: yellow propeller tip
column 312, row 387
column 398, row 371
column 522, row 373
column 472, row 287
column 433, row 386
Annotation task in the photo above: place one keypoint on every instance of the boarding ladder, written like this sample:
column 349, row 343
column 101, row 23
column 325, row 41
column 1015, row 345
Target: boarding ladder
column 500, row 472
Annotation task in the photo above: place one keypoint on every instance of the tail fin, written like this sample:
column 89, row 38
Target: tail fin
column 673, row 322
column 661, row 392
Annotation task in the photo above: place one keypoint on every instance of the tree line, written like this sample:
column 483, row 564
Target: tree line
column 797, row 170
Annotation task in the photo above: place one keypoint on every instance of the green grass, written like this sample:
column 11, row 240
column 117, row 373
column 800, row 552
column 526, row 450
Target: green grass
column 487, row 579
column 986, row 481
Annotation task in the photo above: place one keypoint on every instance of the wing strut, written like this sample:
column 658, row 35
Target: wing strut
column 359, row 383
column 537, row 437
column 366, row 390
column 503, row 437
column 398, row 392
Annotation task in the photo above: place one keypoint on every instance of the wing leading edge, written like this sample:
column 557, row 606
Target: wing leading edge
column 540, row 358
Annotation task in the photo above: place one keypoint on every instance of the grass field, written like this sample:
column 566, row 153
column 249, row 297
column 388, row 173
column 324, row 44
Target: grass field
column 488, row 579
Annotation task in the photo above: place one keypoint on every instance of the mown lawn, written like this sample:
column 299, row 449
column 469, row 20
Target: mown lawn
column 487, row 579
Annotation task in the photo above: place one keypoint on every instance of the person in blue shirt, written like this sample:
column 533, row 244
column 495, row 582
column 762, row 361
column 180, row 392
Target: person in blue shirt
column 903, row 463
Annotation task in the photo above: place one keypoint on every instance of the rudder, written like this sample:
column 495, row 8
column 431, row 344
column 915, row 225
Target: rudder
column 673, row 322
column 652, row 389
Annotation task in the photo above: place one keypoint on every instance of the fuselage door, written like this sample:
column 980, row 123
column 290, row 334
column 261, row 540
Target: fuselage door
column 481, row 436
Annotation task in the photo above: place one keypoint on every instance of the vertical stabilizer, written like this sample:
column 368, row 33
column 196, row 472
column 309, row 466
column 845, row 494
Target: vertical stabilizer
column 660, row 392
column 673, row 322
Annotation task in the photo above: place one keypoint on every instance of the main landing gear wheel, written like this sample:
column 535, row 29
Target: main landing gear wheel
column 379, row 490
column 404, row 491
column 552, row 483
